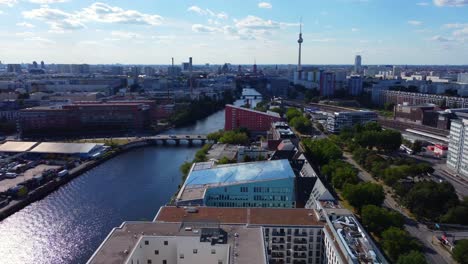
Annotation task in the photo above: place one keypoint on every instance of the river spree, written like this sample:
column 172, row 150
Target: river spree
column 68, row 225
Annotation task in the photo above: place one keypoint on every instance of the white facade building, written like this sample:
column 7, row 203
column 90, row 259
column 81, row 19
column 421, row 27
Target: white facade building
column 457, row 157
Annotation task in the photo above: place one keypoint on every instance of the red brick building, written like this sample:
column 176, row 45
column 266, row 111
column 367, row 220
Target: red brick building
column 255, row 121
column 87, row 117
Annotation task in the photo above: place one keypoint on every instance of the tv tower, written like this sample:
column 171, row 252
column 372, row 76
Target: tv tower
column 300, row 40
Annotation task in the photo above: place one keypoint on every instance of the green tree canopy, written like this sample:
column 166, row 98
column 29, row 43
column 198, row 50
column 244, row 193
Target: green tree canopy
column 292, row 113
column 460, row 252
column 396, row 242
column 322, row 151
column 377, row 219
column 363, row 194
column 301, row 124
column 413, row 257
column 430, row 199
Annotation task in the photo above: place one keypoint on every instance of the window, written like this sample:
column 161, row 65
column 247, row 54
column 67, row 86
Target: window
column 166, row 243
column 181, row 256
column 220, row 262
column 146, row 242
column 149, row 261
column 195, row 251
column 213, row 251
column 164, row 261
column 156, row 252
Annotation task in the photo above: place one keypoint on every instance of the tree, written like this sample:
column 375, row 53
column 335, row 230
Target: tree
column 372, row 126
column 413, row 257
column 377, row 219
column 215, row 136
column 224, row 160
column 363, row 194
column 233, row 137
column 431, row 199
column 301, row 124
column 460, row 252
column 322, row 151
column 396, row 242
column 292, row 113
column 457, row 214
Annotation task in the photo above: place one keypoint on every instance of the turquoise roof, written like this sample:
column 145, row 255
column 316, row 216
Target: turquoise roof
column 241, row 172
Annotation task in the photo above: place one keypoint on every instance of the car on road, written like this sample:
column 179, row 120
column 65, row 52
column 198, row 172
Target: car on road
column 173, row 136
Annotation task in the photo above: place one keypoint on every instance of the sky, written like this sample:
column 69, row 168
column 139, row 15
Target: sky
column 234, row 31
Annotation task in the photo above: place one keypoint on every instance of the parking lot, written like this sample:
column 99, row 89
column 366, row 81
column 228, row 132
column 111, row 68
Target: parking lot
column 7, row 183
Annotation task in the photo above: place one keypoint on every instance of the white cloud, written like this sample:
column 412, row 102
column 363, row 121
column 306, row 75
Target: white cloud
column 8, row 2
column 25, row 24
column 461, row 33
column 440, row 39
column 414, row 22
column 58, row 20
column 104, row 13
column 456, row 25
column 422, row 4
column 253, row 22
column 61, row 21
column 265, row 5
column 45, row 2
column 451, row 2
column 126, row 35
column 204, row 29
column 355, row 29
column 207, row 12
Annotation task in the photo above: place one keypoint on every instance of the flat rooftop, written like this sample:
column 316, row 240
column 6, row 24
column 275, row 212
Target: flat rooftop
column 205, row 175
column 65, row 148
column 269, row 113
column 17, row 146
column 249, row 216
column 248, row 244
column 241, row 172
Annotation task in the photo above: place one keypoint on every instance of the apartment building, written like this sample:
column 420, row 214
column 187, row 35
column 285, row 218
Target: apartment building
column 457, row 157
column 255, row 121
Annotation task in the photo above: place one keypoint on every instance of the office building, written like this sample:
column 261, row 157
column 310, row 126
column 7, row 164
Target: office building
column 14, row 68
column 253, row 184
column 116, row 70
column 419, row 114
column 357, row 64
column 457, row 157
column 340, row 120
column 355, row 85
column 80, row 69
column 149, row 71
column 254, row 121
column 327, row 84
column 462, row 77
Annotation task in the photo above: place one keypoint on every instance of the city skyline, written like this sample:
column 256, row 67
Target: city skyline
column 65, row 31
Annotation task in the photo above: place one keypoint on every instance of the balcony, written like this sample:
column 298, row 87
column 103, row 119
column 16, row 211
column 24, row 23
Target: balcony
column 278, row 233
column 302, row 234
column 300, row 248
column 300, row 241
column 281, row 241
column 280, row 247
column 299, row 255
column 277, row 255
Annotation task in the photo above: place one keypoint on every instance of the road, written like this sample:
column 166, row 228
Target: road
column 434, row 253
column 442, row 172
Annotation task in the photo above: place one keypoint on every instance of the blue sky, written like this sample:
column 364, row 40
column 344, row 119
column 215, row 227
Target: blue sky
column 235, row 31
